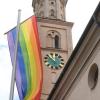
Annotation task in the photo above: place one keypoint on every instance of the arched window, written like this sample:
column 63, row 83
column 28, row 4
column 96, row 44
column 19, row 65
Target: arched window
column 49, row 40
column 56, row 41
column 52, row 13
column 93, row 76
column 53, row 39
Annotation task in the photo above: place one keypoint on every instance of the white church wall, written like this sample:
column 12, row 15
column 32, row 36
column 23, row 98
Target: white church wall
column 82, row 91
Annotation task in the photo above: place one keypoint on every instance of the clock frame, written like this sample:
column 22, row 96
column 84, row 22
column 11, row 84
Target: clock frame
column 54, row 61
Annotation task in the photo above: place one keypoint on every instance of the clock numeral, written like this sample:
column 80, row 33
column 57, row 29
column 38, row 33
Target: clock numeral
column 62, row 60
column 56, row 54
column 62, row 63
column 59, row 56
column 48, row 64
column 45, row 61
column 51, row 54
column 45, row 58
column 51, row 66
column 60, row 66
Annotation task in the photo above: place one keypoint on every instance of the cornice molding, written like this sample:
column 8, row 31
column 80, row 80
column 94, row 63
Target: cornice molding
column 54, row 21
column 54, row 50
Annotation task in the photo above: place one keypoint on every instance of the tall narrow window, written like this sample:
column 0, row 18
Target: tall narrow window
column 49, row 41
column 93, row 76
column 56, row 41
column 52, row 13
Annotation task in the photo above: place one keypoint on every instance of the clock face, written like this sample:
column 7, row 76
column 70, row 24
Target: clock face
column 54, row 61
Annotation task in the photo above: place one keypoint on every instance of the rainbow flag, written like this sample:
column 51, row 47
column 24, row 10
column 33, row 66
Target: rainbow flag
column 29, row 63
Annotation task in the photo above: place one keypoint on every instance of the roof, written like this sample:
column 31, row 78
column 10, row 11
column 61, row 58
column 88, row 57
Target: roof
column 93, row 19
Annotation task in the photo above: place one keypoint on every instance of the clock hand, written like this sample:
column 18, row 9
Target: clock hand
column 54, row 55
column 52, row 58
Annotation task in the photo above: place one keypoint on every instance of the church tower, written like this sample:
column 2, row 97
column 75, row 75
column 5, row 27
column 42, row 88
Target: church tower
column 53, row 9
column 55, row 38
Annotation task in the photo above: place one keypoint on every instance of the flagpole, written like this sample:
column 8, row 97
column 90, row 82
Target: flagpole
column 15, row 58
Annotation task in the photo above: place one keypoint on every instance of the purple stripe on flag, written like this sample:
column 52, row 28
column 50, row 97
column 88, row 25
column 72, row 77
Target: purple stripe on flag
column 18, row 75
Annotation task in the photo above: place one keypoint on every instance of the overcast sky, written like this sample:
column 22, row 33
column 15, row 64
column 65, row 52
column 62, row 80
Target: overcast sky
column 77, row 11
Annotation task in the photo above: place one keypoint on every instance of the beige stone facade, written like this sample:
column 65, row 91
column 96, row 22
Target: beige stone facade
column 53, row 27
column 51, row 24
column 80, row 79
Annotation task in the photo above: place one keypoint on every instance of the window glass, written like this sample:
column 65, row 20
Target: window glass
column 56, row 41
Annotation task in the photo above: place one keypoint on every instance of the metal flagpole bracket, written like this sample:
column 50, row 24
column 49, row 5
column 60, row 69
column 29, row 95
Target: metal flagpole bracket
column 15, row 57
